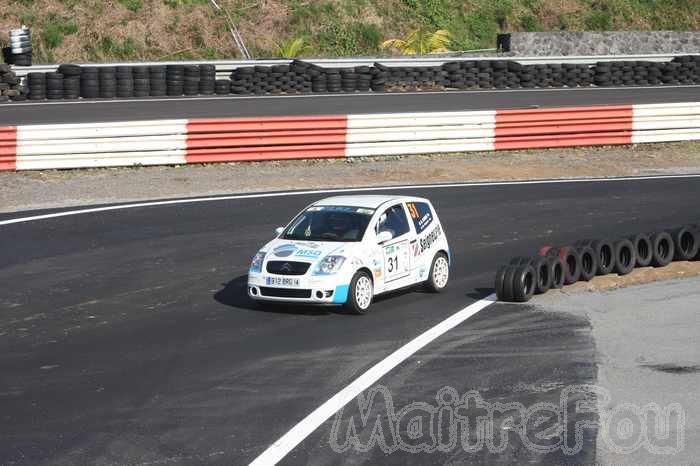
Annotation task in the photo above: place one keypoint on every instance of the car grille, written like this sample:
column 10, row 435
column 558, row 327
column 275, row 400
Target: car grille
column 287, row 267
column 284, row 292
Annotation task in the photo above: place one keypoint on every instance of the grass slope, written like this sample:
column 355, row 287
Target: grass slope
column 95, row 30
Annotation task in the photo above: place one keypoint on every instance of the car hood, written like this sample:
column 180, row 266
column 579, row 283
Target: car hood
column 305, row 251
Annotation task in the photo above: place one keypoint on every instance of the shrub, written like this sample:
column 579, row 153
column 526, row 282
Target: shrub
column 55, row 30
column 132, row 5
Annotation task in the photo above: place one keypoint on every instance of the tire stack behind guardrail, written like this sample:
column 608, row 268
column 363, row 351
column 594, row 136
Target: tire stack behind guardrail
column 10, row 85
column 303, row 77
column 555, row 267
column 157, row 80
column 20, row 50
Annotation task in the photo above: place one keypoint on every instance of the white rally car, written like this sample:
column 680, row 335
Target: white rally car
column 345, row 250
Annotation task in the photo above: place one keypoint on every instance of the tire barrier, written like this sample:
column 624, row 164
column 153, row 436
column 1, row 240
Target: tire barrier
column 10, row 86
column 160, row 142
column 19, row 52
column 299, row 77
column 554, row 267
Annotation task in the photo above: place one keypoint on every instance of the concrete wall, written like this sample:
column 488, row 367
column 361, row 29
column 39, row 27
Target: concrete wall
column 603, row 43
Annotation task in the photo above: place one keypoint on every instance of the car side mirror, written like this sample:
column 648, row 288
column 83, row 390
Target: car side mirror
column 384, row 236
column 278, row 231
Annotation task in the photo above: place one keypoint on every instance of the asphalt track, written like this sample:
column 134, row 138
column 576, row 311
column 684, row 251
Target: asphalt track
column 203, row 107
column 126, row 336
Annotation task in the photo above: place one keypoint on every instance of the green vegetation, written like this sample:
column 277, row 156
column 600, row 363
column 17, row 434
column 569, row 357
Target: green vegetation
column 55, row 30
column 293, row 48
column 92, row 30
column 420, row 42
column 123, row 49
column 132, row 5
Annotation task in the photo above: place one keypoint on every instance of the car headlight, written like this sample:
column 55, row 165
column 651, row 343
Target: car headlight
column 329, row 265
column 256, row 263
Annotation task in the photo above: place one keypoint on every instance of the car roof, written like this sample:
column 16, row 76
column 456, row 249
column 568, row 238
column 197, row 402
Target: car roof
column 368, row 201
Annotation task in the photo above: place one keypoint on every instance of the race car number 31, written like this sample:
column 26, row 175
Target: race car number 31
column 396, row 260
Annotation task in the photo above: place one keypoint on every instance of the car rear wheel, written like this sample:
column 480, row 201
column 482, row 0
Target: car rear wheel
column 439, row 273
column 360, row 293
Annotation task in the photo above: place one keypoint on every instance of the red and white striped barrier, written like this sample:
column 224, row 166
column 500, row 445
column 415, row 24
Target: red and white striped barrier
column 161, row 142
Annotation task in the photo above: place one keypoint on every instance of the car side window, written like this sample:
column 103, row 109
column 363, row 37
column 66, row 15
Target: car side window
column 394, row 221
column 421, row 215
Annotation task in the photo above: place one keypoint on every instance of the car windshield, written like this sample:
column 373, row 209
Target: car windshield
column 329, row 223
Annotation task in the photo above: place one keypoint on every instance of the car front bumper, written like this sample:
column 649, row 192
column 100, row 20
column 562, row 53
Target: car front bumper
column 308, row 289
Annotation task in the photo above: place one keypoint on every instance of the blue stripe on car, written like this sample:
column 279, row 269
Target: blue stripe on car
column 340, row 296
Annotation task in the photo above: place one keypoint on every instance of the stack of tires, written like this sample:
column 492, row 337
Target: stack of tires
column 19, row 52
column 89, row 82
column 191, row 83
column 540, row 76
column 157, row 77
column 574, row 75
column 222, row 87
column 54, row 86
column 242, row 80
column 175, row 80
column 125, row 82
column 297, row 77
column 364, row 78
column 36, row 83
column 417, row 78
column 10, row 86
column 555, row 267
column 380, row 77
column 688, row 69
column 142, row 81
column 207, row 79
column 108, row 82
column 681, row 71
column 629, row 73
column 348, row 80
column 474, row 74
column 333, row 80
column 71, row 80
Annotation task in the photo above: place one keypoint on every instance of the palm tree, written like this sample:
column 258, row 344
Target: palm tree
column 421, row 41
column 292, row 48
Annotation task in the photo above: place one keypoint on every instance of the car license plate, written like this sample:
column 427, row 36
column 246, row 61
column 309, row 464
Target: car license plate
column 282, row 281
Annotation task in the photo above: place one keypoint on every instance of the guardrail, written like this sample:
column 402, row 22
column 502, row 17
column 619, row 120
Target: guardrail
column 225, row 67
column 160, row 142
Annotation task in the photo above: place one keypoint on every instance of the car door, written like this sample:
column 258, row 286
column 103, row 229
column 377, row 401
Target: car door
column 396, row 252
column 424, row 223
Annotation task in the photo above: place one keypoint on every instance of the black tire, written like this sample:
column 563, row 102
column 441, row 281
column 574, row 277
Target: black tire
column 524, row 283
column 430, row 283
column 625, row 257
column 662, row 249
column 556, row 271
column 351, row 305
column 642, row 249
column 499, row 281
column 589, row 263
column 605, row 252
column 572, row 264
column 685, row 242
column 543, row 276
column 504, row 282
column 508, row 294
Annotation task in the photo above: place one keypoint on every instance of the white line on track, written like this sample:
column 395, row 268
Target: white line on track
column 316, row 96
column 306, row 426
column 195, row 200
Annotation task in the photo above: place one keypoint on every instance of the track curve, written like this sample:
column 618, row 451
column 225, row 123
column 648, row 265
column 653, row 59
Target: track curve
column 127, row 339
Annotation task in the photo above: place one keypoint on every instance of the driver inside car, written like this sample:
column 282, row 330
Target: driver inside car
column 342, row 226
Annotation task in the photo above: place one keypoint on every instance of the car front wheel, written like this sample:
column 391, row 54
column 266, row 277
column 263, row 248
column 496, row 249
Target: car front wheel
column 439, row 273
column 360, row 293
